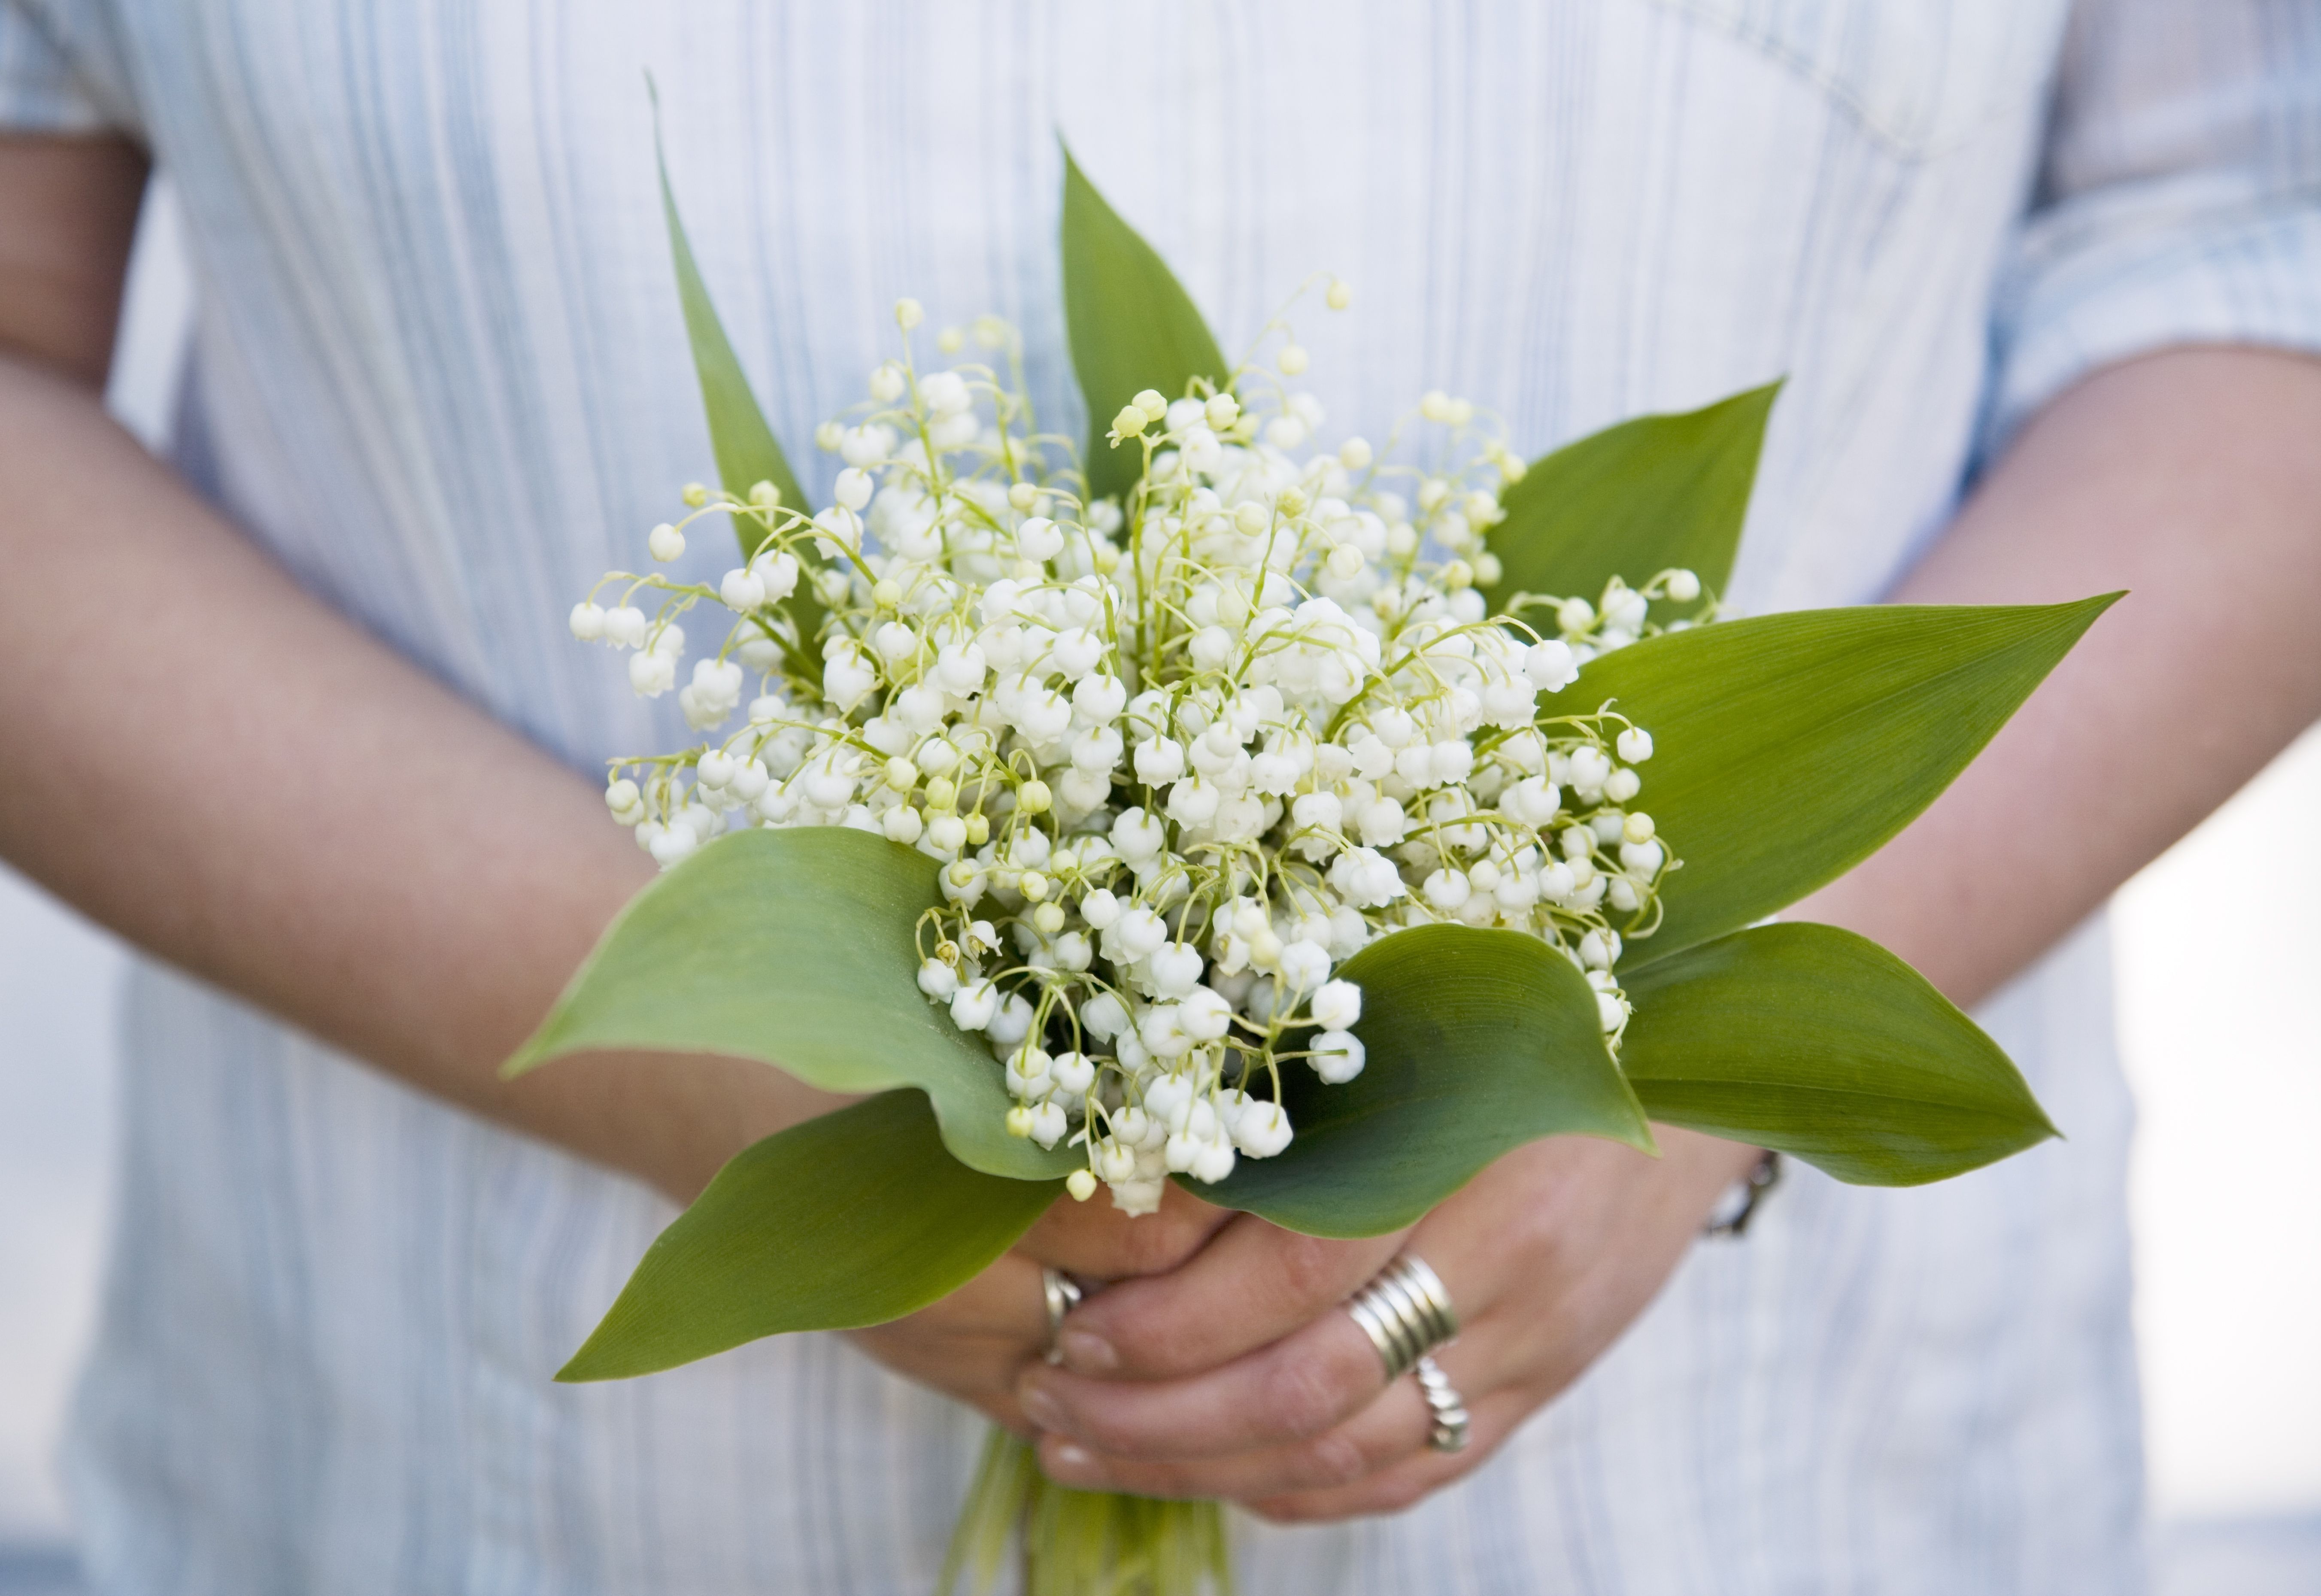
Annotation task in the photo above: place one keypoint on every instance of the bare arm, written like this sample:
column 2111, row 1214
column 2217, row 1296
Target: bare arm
column 260, row 793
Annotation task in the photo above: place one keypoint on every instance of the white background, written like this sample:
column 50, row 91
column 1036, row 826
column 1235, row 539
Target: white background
column 2217, row 945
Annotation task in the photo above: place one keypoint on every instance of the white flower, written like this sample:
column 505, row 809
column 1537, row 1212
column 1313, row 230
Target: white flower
column 1104, row 1017
column 1337, row 1057
column 1304, row 966
column 1635, row 745
column 1175, row 967
column 652, row 673
column 1101, row 909
column 1337, row 1005
column 1203, row 1014
column 1262, row 1130
column 1159, row 760
column 666, row 542
column 945, row 393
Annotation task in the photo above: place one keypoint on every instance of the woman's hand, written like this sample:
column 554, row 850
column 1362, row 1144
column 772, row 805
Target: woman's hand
column 1239, row 1376
column 975, row 1343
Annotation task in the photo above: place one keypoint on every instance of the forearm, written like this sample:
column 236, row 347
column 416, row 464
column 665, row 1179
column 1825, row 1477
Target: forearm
column 2192, row 478
column 235, row 778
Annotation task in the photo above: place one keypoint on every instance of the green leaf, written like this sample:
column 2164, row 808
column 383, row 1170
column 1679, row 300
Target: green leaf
column 747, row 451
column 1821, row 1044
column 797, row 948
column 1477, row 1041
column 1131, row 326
column 1788, row 748
column 1632, row 500
column 853, row 1218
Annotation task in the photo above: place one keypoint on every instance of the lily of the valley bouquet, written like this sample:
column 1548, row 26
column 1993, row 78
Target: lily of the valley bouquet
column 1310, row 825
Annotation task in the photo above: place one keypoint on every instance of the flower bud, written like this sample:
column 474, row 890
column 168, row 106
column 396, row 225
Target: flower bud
column 909, row 313
column 852, row 489
column 666, row 542
column 1080, row 1184
column 1293, row 361
column 1341, row 294
column 1155, row 407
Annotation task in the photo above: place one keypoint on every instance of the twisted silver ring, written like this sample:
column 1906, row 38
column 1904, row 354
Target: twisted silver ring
column 1444, row 1406
column 1406, row 1312
column 1062, row 1293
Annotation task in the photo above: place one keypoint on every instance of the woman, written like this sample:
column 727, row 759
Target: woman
column 300, row 718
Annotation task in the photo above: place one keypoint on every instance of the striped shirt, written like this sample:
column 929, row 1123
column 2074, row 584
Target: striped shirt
column 439, row 373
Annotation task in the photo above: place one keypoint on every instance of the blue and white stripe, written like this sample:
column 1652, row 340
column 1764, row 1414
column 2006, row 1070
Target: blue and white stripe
column 439, row 373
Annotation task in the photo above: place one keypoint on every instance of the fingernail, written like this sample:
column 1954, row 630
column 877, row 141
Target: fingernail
column 1088, row 1352
column 1075, row 1461
column 1041, row 1407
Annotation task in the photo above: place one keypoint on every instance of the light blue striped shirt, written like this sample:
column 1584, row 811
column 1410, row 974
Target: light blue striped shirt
column 439, row 373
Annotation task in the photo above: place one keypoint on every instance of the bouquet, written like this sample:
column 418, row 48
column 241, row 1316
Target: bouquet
column 1193, row 802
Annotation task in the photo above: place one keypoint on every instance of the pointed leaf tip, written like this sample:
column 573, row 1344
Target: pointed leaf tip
column 746, row 450
column 1820, row 1043
column 1130, row 323
column 1637, row 498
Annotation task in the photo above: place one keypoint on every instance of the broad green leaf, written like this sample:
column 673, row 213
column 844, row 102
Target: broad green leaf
column 1633, row 500
column 747, row 451
column 1789, row 747
column 797, row 948
column 1478, row 1042
column 855, row 1219
column 1821, row 1044
column 1131, row 326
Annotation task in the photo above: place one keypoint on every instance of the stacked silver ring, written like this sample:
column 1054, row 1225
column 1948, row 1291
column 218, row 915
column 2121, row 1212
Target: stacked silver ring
column 1444, row 1406
column 1406, row 1312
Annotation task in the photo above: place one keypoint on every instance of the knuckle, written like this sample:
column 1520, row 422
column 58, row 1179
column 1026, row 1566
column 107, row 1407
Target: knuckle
column 1335, row 1459
column 1301, row 1395
column 1305, row 1267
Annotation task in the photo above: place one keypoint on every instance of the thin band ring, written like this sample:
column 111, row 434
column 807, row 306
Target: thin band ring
column 1444, row 1407
column 1406, row 1312
column 1061, row 1294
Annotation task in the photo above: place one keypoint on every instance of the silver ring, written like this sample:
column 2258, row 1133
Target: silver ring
column 1406, row 1312
column 1062, row 1294
column 1444, row 1406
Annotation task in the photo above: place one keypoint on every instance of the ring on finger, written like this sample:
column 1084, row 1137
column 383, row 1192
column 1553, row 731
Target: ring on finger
column 1444, row 1407
column 1061, row 1293
column 1407, row 1313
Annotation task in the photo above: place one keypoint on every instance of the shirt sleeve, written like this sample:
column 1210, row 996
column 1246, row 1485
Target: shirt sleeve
column 2178, row 199
column 42, row 91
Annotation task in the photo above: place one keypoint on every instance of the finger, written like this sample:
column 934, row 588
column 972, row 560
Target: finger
column 1395, row 1425
column 1297, row 1388
column 1097, row 1241
column 1251, row 1285
column 972, row 1343
column 1407, row 1483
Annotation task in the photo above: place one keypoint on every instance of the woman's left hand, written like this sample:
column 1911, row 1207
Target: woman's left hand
column 1239, row 1376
